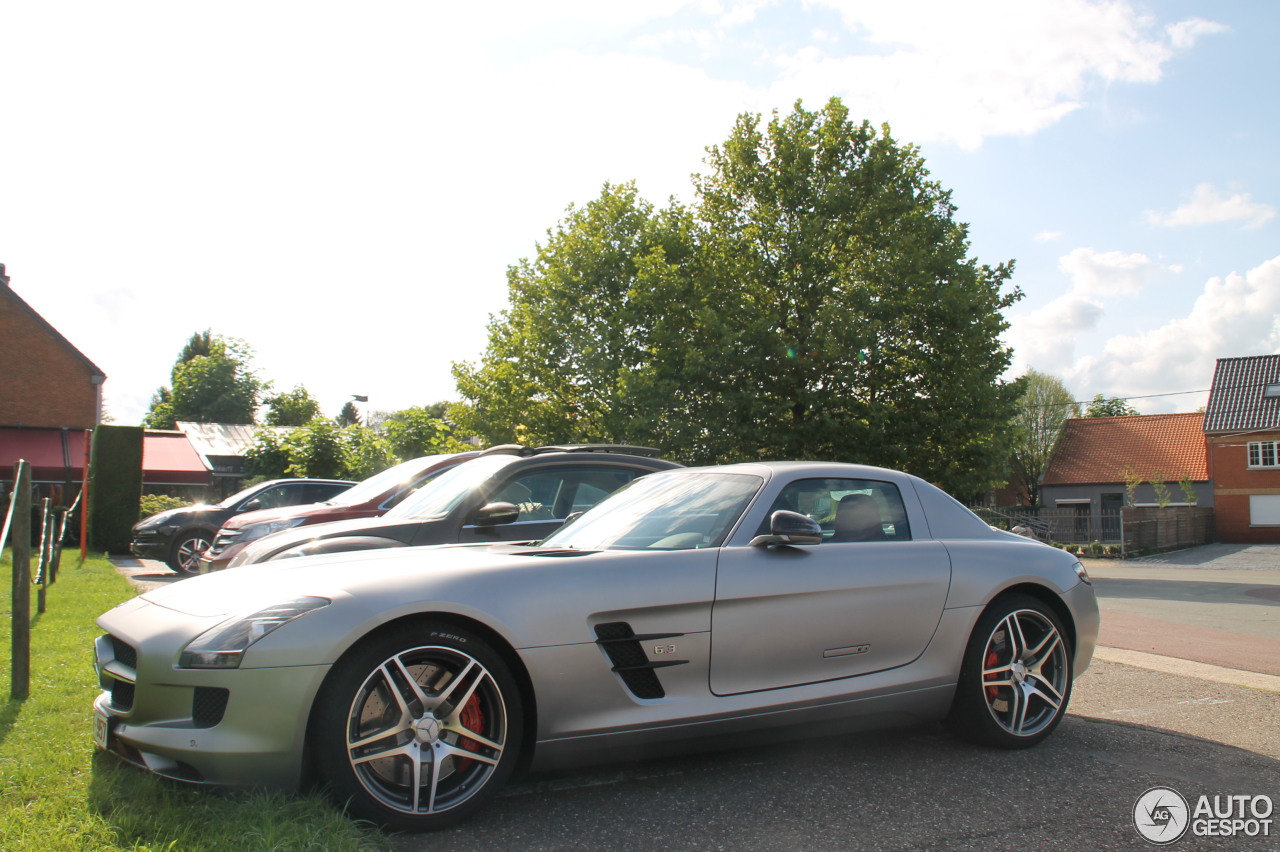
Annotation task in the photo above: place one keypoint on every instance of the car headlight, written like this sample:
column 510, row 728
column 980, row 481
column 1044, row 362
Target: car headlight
column 223, row 646
column 253, row 532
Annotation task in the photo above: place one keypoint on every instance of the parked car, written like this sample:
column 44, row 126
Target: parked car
column 177, row 537
column 694, row 608
column 369, row 499
column 507, row 493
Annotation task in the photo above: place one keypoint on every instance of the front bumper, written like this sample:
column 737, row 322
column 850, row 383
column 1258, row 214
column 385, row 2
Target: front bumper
column 242, row 727
column 151, row 546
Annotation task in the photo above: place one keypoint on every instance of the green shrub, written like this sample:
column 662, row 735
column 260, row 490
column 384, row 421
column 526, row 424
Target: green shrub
column 116, row 486
column 153, row 504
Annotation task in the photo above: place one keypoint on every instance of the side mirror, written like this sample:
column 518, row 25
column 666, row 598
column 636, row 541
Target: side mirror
column 789, row 528
column 494, row 514
column 252, row 506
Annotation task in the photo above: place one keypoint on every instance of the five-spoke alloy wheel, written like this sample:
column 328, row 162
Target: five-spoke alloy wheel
column 1016, row 678
column 418, row 727
column 184, row 557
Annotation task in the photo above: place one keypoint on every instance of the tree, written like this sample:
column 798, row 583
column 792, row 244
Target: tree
column 416, row 432
column 571, row 357
column 349, row 415
column 1044, row 406
column 817, row 302
column 211, row 382
column 291, row 408
column 1109, row 406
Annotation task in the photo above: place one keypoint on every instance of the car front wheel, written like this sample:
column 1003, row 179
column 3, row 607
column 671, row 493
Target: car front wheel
column 1015, row 680
column 184, row 556
column 417, row 728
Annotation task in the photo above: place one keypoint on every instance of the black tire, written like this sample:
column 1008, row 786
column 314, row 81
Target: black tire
column 1015, row 680
column 439, row 706
column 184, row 555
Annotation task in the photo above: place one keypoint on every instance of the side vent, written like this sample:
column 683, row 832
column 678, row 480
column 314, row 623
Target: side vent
column 624, row 649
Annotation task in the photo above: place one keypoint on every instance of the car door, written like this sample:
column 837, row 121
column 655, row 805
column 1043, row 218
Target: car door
column 864, row 600
column 546, row 496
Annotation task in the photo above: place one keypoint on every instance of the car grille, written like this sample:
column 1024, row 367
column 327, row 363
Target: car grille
column 223, row 540
column 116, row 662
column 623, row 647
column 207, row 705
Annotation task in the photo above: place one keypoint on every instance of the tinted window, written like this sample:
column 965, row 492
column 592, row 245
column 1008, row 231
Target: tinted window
column 552, row 494
column 847, row 509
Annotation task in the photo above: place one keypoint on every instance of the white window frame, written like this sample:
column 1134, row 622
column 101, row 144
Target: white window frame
column 1264, row 455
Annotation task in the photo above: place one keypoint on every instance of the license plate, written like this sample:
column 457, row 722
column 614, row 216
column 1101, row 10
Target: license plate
column 101, row 728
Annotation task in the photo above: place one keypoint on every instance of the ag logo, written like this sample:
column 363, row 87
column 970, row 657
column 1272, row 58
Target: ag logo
column 1161, row 815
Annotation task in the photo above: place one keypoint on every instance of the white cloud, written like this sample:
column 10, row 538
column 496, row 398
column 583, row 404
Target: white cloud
column 963, row 72
column 1234, row 316
column 1108, row 273
column 1209, row 206
column 1048, row 236
column 1047, row 338
column 1187, row 33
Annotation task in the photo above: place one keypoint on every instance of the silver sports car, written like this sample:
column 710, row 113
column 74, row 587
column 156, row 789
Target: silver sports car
column 695, row 607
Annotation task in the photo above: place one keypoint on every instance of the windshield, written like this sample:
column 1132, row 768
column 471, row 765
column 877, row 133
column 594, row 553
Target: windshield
column 438, row 497
column 402, row 474
column 240, row 495
column 663, row 511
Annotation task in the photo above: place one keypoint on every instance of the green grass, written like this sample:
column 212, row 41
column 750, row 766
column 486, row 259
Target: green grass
column 58, row 793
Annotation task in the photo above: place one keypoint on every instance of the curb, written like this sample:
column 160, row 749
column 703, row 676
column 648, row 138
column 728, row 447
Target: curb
column 1188, row 668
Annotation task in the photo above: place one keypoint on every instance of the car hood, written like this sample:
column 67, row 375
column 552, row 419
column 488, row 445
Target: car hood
column 178, row 514
column 329, row 576
column 285, row 539
column 316, row 511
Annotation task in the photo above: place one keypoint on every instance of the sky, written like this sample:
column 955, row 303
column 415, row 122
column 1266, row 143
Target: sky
column 344, row 185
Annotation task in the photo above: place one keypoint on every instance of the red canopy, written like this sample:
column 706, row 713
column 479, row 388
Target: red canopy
column 171, row 460
column 55, row 455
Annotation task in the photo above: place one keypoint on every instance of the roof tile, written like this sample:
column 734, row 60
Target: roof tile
column 1104, row 449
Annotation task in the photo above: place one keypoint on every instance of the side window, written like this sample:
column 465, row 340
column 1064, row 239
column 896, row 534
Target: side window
column 318, row 492
column 847, row 509
column 280, row 495
column 554, row 494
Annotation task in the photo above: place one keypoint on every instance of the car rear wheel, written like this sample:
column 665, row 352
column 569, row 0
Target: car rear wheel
column 184, row 556
column 417, row 728
column 1015, row 680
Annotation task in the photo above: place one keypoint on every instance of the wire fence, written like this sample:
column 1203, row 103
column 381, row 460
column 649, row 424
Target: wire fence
column 17, row 534
column 1129, row 531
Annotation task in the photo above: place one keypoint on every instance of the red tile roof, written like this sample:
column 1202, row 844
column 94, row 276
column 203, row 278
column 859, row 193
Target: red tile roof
column 1108, row 449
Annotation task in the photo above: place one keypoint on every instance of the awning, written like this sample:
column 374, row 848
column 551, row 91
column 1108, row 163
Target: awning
column 55, row 455
column 169, row 459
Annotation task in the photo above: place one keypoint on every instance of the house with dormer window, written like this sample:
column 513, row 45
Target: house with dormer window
column 1242, row 430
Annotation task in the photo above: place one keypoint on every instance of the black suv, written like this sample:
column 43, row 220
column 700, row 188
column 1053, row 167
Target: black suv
column 179, row 536
column 507, row 493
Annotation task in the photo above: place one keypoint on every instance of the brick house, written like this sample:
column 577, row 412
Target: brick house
column 1242, row 428
column 49, row 394
column 45, row 382
column 1097, row 459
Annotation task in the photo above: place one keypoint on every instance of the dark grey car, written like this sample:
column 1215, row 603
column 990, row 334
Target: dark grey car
column 177, row 537
column 507, row 493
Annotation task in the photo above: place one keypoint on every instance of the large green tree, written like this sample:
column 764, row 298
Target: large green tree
column 292, row 408
column 817, row 302
column 1045, row 405
column 213, row 381
column 1109, row 406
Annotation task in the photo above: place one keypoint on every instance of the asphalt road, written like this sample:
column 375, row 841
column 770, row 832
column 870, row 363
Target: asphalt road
column 1162, row 704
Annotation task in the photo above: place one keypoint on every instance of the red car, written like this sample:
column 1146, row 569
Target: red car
column 367, row 499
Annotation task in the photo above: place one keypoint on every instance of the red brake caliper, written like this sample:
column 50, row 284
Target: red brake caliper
column 472, row 719
column 992, row 659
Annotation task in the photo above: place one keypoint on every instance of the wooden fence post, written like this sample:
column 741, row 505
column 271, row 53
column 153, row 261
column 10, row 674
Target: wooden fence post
column 20, row 682
column 42, row 563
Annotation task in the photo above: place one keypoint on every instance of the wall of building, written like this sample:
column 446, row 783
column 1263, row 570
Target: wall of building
column 43, row 380
column 1234, row 483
